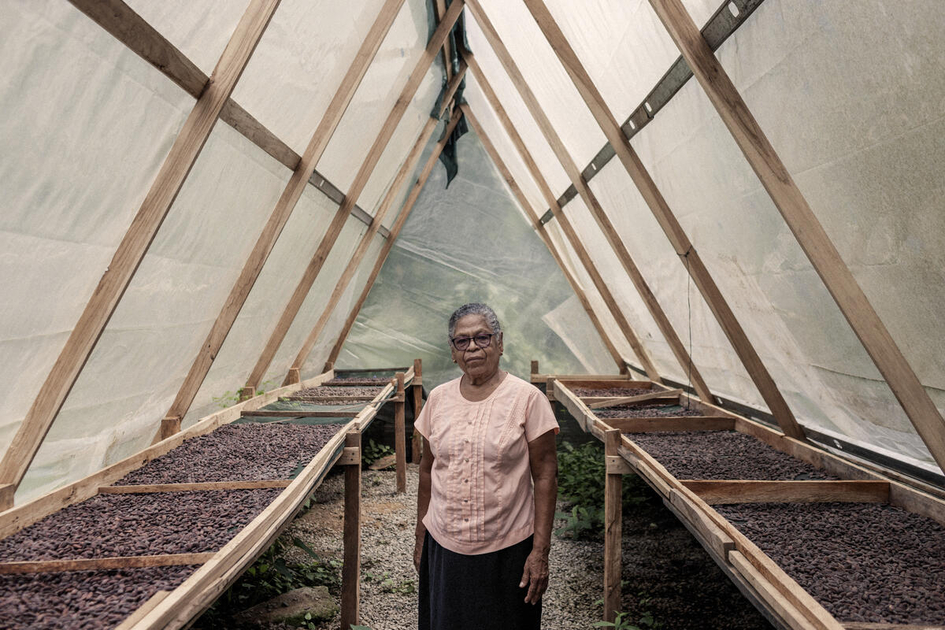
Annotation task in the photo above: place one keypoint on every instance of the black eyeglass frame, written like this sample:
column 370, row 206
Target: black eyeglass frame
column 468, row 340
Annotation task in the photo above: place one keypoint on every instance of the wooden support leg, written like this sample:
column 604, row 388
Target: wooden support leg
column 534, row 367
column 293, row 377
column 7, row 490
column 400, row 438
column 613, row 528
column 417, row 444
column 170, row 426
column 351, row 570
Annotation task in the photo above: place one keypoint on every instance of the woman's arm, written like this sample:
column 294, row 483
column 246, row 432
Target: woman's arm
column 423, row 500
column 543, row 461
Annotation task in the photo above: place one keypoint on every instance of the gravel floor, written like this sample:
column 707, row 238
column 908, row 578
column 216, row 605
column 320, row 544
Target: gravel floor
column 237, row 452
column 138, row 524
column 866, row 562
column 722, row 455
column 82, row 599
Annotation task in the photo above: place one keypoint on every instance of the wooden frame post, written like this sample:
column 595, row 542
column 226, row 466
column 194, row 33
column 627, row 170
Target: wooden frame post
column 590, row 199
column 382, row 257
column 282, row 211
column 387, row 130
column 566, row 227
column 664, row 215
column 400, row 437
column 545, row 237
column 351, row 568
column 805, row 226
column 393, row 190
column 136, row 242
column 416, row 386
column 613, row 526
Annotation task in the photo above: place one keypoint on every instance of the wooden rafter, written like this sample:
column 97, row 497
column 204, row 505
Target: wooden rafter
column 590, row 200
column 357, row 186
column 563, row 221
column 545, row 237
column 807, row 229
column 282, row 211
column 664, row 215
column 405, row 171
column 382, row 257
column 135, row 243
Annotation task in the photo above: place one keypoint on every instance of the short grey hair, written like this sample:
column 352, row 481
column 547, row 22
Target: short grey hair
column 475, row 308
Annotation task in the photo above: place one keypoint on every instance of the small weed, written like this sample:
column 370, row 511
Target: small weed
column 374, row 451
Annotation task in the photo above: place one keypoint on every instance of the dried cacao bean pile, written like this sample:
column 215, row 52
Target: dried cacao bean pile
column 327, row 390
column 82, row 599
column 359, row 380
column 646, row 411
column 723, row 455
column 138, row 525
column 867, row 562
column 237, row 452
column 585, row 392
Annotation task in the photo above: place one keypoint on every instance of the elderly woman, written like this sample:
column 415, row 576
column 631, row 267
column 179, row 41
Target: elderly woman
column 488, row 484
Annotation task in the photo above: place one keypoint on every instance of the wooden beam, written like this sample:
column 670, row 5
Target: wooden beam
column 439, row 9
column 545, row 237
column 659, row 396
column 351, row 539
column 808, row 231
column 672, row 423
column 400, row 439
column 625, row 328
column 725, row 492
column 98, row 564
column 613, row 529
column 283, row 210
column 382, row 257
column 135, row 243
column 203, row 486
column 328, row 240
column 781, row 605
column 667, row 220
column 416, row 446
column 406, row 169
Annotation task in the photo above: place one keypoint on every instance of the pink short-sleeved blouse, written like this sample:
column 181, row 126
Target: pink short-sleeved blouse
column 481, row 495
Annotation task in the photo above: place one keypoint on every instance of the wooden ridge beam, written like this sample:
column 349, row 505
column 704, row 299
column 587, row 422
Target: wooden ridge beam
column 328, row 240
column 382, row 257
column 625, row 328
column 805, row 226
column 282, row 211
column 723, row 492
column 203, row 486
column 136, row 242
column 406, row 169
column 561, row 152
column 99, row 564
column 545, row 237
column 666, row 218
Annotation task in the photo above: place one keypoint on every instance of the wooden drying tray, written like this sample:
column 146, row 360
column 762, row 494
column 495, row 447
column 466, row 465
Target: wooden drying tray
column 178, row 608
column 779, row 597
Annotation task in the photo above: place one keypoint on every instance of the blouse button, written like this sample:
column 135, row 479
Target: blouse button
column 465, row 480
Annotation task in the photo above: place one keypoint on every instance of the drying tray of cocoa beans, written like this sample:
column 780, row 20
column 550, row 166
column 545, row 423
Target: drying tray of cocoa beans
column 136, row 524
column 333, row 395
column 653, row 409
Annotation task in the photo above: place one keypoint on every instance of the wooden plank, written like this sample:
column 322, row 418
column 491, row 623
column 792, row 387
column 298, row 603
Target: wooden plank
column 290, row 413
column 439, row 9
column 203, row 486
column 718, row 538
column 135, row 243
column 613, row 530
column 805, row 226
column 778, row 603
column 659, row 396
column 351, row 539
column 12, row 521
column 393, row 191
column 725, row 492
column 331, row 235
column 667, row 220
column 98, row 564
column 417, row 388
column 142, row 610
column 283, row 209
column 400, row 440
column 382, row 257
column 492, row 37
column 671, row 423
column 534, row 218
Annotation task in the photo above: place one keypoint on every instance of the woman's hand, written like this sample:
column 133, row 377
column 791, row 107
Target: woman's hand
column 535, row 576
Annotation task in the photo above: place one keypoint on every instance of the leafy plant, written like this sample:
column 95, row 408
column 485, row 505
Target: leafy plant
column 623, row 621
column 374, row 451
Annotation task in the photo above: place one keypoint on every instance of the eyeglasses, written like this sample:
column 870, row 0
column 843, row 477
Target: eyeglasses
column 483, row 340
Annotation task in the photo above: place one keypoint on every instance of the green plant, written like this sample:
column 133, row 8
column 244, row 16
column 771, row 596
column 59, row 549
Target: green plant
column 622, row 620
column 374, row 451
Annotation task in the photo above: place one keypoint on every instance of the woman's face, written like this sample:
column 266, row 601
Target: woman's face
column 475, row 362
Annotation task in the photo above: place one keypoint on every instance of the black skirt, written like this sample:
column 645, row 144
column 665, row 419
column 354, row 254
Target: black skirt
column 461, row 592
